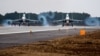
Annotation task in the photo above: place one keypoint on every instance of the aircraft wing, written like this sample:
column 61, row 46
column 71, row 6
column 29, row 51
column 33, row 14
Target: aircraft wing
column 76, row 20
column 59, row 20
column 33, row 20
column 16, row 20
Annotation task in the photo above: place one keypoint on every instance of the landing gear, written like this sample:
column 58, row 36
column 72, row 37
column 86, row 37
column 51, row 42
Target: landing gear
column 72, row 24
column 67, row 24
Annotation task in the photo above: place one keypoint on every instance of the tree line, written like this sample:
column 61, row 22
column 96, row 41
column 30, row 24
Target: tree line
column 34, row 16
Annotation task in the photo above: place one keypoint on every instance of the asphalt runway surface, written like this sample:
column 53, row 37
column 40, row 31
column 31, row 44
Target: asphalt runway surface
column 12, row 36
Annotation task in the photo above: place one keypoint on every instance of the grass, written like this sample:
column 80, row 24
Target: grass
column 88, row 45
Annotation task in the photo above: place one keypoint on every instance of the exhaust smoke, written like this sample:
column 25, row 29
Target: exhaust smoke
column 92, row 22
column 43, row 17
column 7, row 22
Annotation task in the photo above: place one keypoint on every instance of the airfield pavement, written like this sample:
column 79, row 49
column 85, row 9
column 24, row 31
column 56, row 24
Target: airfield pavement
column 15, row 35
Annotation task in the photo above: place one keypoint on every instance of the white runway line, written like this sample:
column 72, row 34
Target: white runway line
column 23, row 29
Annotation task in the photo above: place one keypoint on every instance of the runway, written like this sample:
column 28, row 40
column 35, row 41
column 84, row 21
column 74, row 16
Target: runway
column 24, row 29
column 10, row 36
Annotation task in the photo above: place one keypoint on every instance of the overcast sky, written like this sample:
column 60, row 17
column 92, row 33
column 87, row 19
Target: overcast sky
column 36, row 6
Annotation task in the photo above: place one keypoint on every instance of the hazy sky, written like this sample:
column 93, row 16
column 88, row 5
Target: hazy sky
column 36, row 6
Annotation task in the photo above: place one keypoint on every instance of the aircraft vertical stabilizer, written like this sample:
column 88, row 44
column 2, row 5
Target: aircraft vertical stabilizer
column 23, row 17
column 67, row 17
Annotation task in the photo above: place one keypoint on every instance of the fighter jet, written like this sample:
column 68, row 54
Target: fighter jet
column 67, row 21
column 23, row 21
